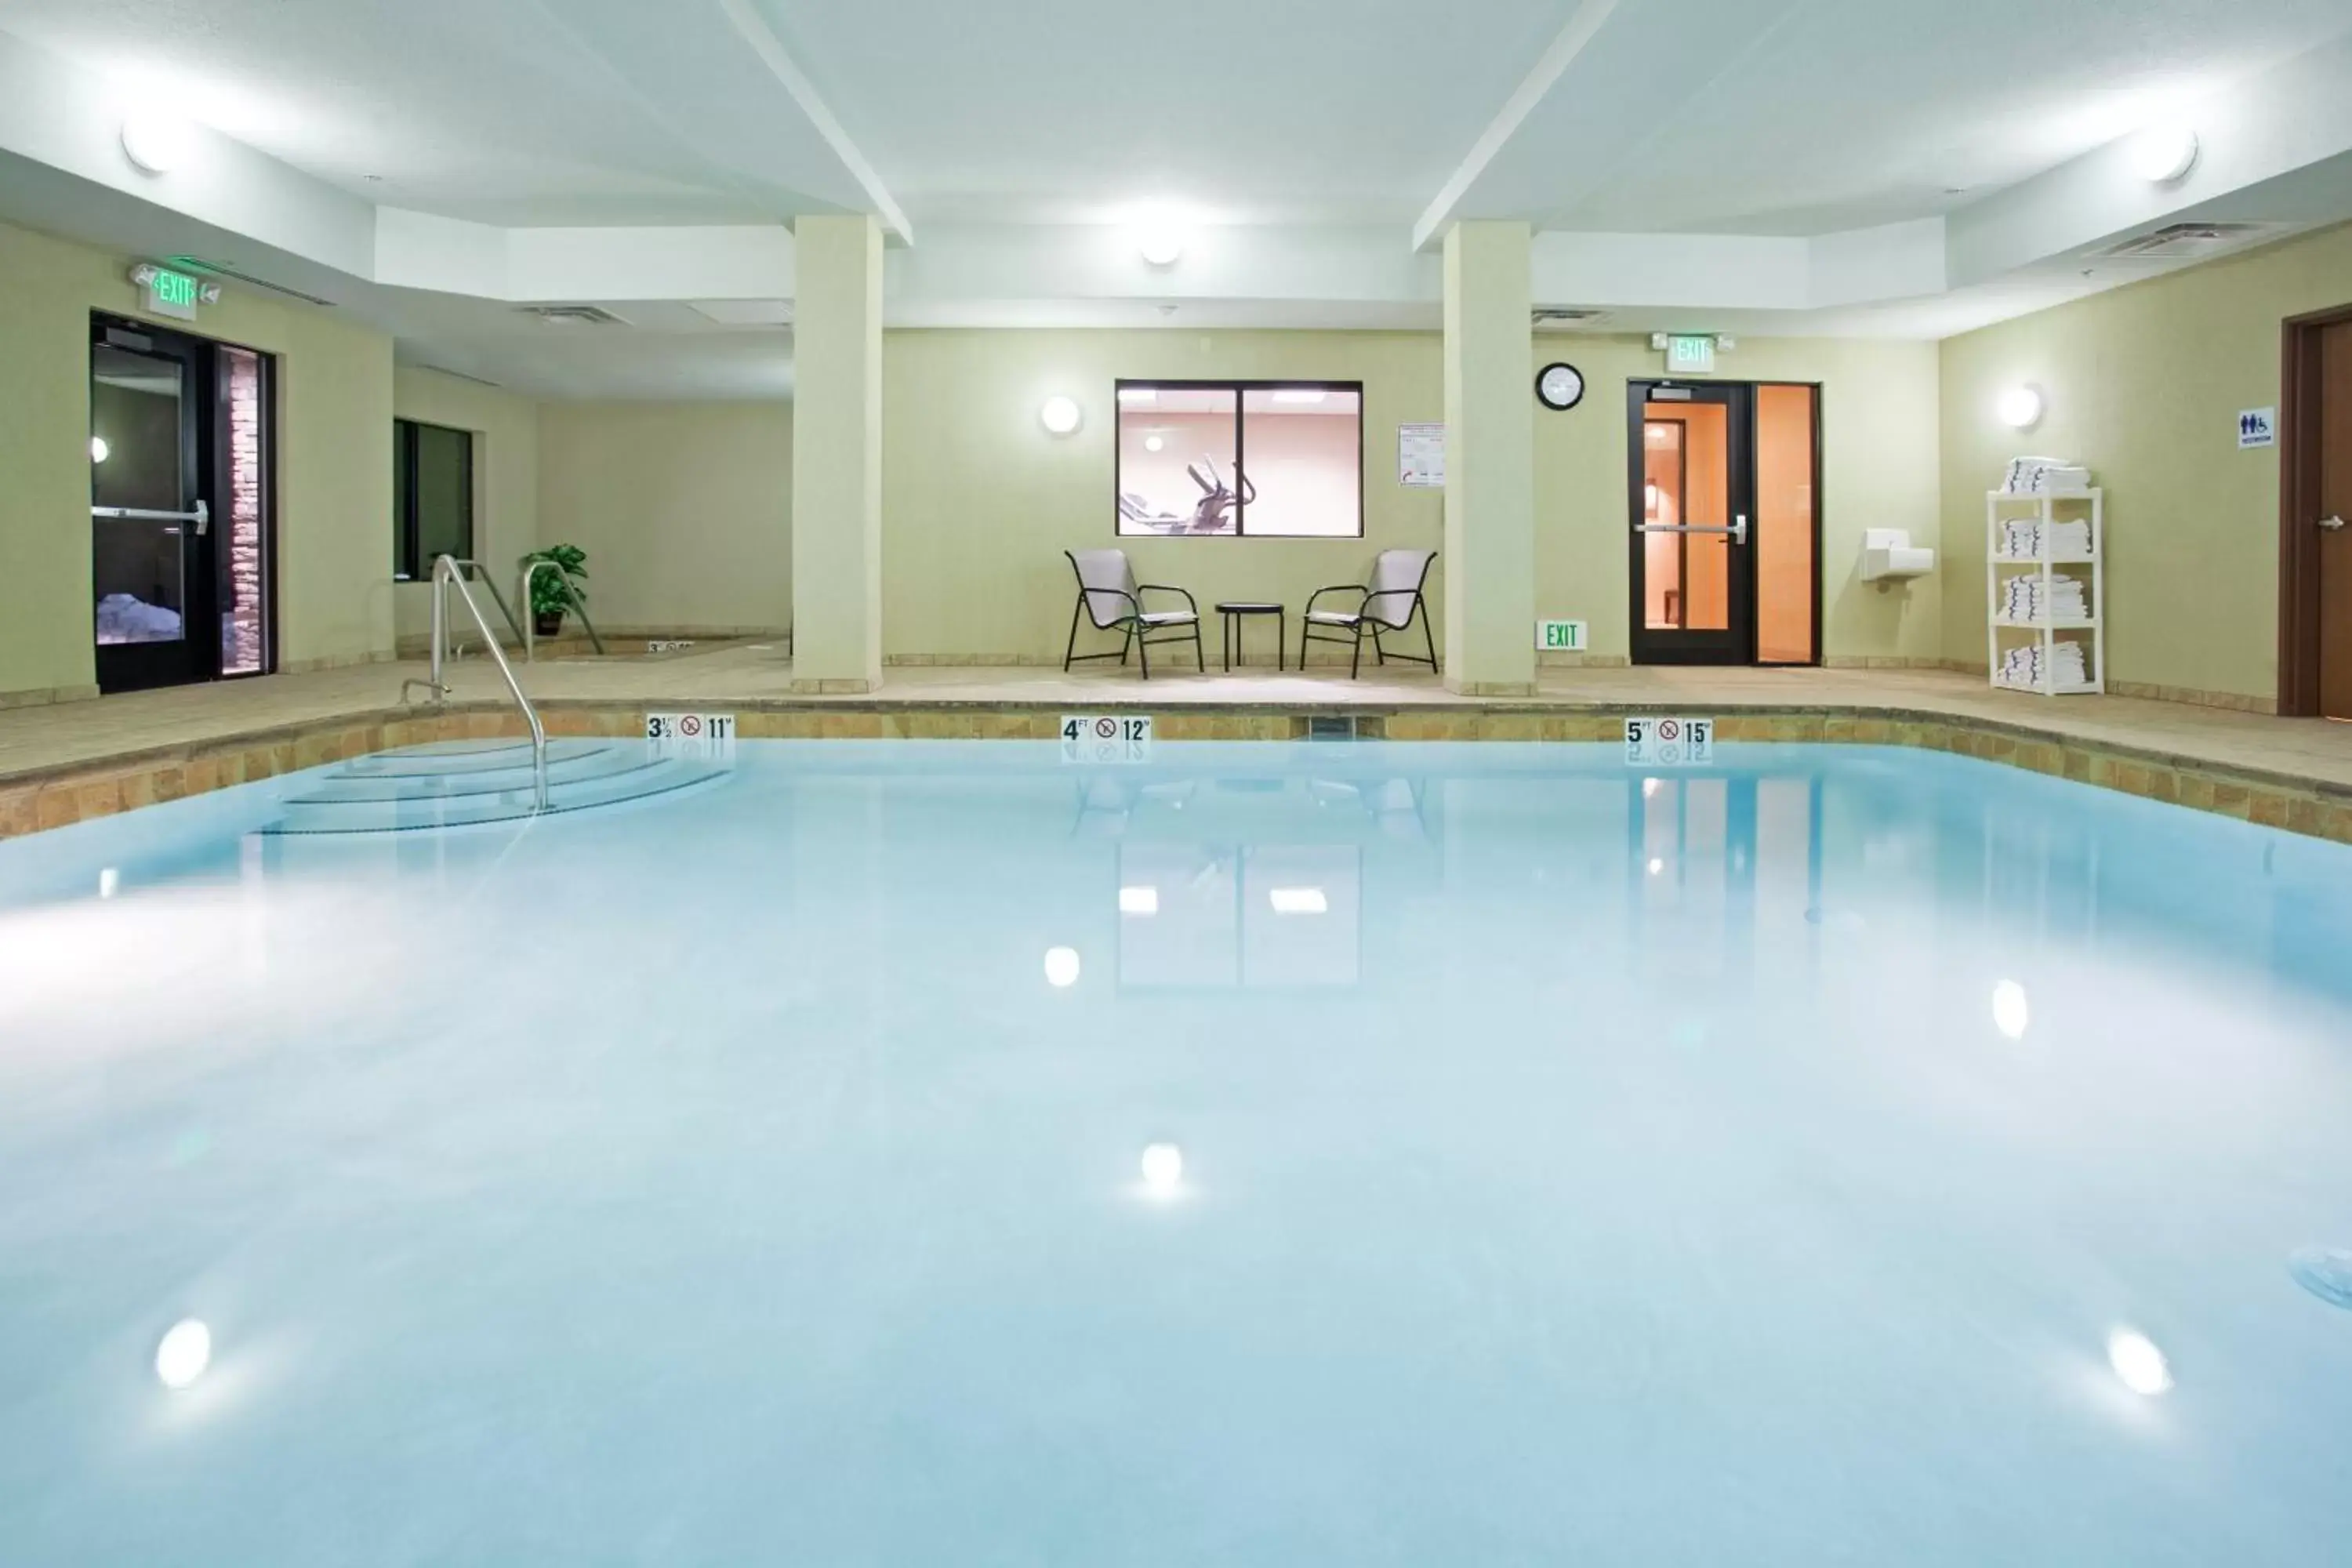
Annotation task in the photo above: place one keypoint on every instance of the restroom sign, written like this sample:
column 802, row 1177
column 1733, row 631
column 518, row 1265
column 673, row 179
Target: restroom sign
column 2257, row 427
column 1676, row 742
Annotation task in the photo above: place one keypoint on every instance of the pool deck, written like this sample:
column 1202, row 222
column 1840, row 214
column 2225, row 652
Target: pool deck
column 65, row 761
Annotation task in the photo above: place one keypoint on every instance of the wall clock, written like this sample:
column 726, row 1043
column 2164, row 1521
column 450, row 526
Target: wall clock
column 1560, row 387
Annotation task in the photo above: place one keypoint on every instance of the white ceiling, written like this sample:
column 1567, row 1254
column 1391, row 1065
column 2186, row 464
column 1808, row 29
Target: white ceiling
column 1879, row 167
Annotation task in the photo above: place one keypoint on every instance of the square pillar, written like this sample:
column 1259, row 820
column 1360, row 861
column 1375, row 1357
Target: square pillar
column 837, row 454
column 1490, row 508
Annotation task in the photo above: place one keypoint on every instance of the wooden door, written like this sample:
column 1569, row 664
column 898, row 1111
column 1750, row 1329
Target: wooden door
column 2334, row 520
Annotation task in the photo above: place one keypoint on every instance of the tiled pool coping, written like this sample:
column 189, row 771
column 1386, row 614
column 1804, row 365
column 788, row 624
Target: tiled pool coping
column 37, row 800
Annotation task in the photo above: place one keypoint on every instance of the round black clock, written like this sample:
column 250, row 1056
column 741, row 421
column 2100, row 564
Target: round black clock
column 1560, row 387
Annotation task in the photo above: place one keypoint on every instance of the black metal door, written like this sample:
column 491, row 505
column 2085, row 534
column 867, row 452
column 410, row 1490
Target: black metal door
column 1691, row 472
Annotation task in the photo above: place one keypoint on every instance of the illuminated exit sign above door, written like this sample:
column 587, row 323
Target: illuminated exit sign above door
column 1690, row 353
column 167, row 291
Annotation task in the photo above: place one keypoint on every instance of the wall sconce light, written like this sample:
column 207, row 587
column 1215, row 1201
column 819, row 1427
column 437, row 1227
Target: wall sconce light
column 2164, row 154
column 1061, row 416
column 2021, row 407
column 154, row 142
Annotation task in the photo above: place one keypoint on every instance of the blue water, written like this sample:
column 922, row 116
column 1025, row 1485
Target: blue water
column 1750, row 1165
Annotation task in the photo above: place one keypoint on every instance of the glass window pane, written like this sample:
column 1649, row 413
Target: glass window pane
column 1303, row 461
column 138, row 460
column 244, row 532
column 1178, row 467
column 1687, row 448
column 444, row 495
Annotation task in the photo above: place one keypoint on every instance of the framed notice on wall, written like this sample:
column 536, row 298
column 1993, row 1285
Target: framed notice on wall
column 1421, row 457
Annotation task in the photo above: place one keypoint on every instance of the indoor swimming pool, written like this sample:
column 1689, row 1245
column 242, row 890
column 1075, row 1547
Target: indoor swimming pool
column 1358, row 1153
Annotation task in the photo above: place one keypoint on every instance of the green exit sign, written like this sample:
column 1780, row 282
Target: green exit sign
column 1690, row 353
column 168, row 291
column 1559, row 636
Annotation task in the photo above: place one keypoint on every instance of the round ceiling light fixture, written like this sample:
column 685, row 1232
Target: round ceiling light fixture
column 155, row 143
column 2164, row 154
column 2021, row 407
column 1160, row 242
column 1061, row 416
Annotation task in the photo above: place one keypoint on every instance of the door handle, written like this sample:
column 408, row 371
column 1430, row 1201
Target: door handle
column 2332, row 525
column 1740, row 529
column 204, row 519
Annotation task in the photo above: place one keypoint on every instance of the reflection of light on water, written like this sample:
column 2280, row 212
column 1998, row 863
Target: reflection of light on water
column 2139, row 1362
column 1062, row 967
column 1298, row 900
column 1649, row 788
column 1163, row 1169
column 2009, row 1014
column 1139, row 901
column 109, row 880
column 186, row 1350
column 1658, row 868
column 2325, row 1272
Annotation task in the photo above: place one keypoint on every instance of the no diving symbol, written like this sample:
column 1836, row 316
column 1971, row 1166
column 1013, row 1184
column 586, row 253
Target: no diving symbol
column 1669, row 731
column 1106, row 728
column 689, row 726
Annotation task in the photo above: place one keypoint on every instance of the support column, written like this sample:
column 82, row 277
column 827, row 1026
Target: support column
column 837, row 454
column 1490, row 510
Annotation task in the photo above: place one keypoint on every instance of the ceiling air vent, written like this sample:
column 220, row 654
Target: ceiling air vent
column 2178, row 240
column 1565, row 316
column 574, row 315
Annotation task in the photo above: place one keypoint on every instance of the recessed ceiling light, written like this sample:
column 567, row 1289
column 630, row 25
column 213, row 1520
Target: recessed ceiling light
column 2164, row 154
column 154, row 142
column 1135, row 397
column 1299, row 396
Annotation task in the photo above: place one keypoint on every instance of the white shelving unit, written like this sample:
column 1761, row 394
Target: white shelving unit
column 2002, row 634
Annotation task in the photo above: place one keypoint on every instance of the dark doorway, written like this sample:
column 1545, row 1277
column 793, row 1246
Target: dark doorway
column 2314, row 505
column 1725, row 487
column 180, row 467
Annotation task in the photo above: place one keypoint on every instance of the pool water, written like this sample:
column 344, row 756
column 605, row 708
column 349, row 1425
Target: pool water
column 934, row 1152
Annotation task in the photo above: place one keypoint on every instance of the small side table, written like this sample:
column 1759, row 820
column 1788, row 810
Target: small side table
column 1234, row 609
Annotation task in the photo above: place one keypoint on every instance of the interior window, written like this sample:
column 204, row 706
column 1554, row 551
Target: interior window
column 1224, row 459
column 433, row 499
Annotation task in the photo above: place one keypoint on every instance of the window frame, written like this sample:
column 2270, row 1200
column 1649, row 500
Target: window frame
column 407, row 566
column 1240, row 388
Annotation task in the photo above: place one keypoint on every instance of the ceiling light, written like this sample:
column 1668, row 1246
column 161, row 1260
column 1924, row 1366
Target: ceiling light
column 1298, row 900
column 1139, row 901
column 154, row 142
column 185, row 1351
column 1061, row 967
column 1161, row 243
column 1061, row 416
column 1298, row 396
column 2139, row 1362
column 1155, row 444
column 1163, row 1168
column 2009, row 1014
column 2021, row 407
column 2164, row 154
column 98, row 449
column 1131, row 397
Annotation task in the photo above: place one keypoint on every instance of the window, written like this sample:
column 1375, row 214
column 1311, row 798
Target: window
column 433, row 497
column 1222, row 460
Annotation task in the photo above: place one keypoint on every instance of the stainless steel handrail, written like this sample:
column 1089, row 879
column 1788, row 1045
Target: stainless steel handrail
column 447, row 570
column 529, row 642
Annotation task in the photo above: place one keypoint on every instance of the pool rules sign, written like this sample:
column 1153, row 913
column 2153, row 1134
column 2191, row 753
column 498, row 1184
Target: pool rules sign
column 1669, row 742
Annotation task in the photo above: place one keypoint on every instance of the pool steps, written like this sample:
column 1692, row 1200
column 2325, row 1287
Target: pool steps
column 468, row 784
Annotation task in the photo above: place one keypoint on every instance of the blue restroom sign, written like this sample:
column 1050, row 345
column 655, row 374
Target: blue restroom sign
column 2257, row 427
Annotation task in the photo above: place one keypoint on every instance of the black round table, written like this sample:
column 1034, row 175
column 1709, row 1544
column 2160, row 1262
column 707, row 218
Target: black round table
column 1234, row 609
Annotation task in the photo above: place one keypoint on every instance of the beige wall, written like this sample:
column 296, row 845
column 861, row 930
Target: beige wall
column 684, row 510
column 979, row 502
column 1879, row 464
column 334, row 469
column 2145, row 385
column 506, row 476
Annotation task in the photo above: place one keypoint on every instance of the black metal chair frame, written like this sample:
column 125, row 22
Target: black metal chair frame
column 1361, row 622
column 1137, row 630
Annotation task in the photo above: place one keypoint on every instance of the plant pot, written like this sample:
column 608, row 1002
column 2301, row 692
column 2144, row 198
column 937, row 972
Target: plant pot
column 549, row 623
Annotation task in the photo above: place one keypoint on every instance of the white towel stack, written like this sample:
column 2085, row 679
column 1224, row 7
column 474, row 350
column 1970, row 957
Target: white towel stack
column 2042, row 475
column 2023, row 539
column 2026, row 667
column 2023, row 599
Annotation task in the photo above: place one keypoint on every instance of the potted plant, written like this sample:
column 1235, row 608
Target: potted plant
column 553, row 593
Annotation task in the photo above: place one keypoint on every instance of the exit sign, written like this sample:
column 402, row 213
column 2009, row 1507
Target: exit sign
column 1690, row 353
column 167, row 291
column 1559, row 636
